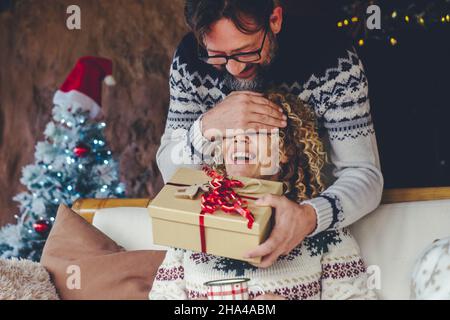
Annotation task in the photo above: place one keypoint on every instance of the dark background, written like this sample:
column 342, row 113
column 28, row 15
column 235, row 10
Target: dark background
column 409, row 86
column 410, row 95
column 409, row 90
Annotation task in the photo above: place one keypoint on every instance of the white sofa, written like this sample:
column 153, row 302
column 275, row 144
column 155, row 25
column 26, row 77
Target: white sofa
column 391, row 238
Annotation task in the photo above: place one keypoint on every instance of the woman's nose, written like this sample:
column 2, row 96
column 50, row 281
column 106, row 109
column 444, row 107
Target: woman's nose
column 242, row 139
column 235, row 67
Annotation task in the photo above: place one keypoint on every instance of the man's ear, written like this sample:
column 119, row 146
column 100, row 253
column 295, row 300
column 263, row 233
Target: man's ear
column 276, row 20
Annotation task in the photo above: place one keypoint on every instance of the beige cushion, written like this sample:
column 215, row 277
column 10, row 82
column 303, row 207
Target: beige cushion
column 395, row 235
column 106, row 270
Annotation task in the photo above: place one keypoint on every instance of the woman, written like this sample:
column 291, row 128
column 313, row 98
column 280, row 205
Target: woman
column 326, row 266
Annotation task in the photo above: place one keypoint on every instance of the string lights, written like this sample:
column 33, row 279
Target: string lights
column 393, row 19
column 393, row 41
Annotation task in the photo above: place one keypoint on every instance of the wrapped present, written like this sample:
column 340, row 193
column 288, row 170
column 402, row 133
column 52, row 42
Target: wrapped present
column 205, row 212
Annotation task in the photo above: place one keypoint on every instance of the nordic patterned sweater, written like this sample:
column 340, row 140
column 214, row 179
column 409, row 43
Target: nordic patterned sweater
column 324, row 71
column 327, row 267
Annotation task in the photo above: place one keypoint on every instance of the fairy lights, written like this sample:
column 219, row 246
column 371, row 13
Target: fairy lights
column 393, row 41
column 409, row 18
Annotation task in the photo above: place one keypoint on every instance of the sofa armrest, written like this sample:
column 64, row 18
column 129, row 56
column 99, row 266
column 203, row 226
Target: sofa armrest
column 87, row 208
column 126, row 221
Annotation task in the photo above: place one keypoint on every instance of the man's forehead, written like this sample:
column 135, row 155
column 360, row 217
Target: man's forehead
column 224, row 36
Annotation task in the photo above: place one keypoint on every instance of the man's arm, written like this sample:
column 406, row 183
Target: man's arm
column 340, row 98
column 345, row 109
column 182, row 144
column 199, row 112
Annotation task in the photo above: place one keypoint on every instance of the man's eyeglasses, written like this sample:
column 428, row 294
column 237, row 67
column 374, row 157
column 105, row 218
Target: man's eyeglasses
column 245, row 57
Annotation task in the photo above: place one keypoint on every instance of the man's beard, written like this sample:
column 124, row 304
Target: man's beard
column 259, row 81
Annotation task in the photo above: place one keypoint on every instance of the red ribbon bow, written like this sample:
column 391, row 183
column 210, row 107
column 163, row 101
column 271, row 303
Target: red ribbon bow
column 221, row 196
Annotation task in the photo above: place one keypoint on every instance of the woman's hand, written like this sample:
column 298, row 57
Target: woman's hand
column 270, row 296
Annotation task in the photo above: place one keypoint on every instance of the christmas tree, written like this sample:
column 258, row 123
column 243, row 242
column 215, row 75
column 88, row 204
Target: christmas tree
column 72, row 162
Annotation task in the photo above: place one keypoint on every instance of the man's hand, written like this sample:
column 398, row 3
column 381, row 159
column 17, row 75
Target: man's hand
column 243, row 110
column 293, row 223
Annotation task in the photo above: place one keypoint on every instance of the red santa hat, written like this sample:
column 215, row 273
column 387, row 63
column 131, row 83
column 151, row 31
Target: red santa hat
column 84, row 84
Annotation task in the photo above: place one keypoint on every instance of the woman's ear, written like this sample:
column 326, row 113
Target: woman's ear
column 276, row 20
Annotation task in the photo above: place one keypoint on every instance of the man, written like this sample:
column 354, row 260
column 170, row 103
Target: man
column 238, row 48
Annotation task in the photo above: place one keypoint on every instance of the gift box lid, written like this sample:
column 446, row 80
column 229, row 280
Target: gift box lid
column 167, row 206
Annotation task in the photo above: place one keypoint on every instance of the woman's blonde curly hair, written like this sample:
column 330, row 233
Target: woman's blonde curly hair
column 302, row 155
column 301, row 149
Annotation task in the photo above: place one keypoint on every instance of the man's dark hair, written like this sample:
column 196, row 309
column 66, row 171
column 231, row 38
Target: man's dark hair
column 249, row 16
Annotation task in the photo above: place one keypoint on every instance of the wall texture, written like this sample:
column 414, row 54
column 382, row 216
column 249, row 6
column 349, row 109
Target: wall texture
column 36, row 53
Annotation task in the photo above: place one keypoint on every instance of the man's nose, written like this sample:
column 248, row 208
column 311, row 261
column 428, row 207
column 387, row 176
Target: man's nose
column 234, row 67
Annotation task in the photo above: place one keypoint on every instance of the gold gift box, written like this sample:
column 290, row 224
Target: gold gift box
column 176, row 220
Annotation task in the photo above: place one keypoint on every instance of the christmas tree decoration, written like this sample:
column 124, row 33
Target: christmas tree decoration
column 72, row 162
column 81, row 150
column 41, row 226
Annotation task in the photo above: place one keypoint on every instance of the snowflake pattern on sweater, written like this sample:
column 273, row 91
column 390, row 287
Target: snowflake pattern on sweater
column 326, row 73
column 304, row 275
column 313, row 246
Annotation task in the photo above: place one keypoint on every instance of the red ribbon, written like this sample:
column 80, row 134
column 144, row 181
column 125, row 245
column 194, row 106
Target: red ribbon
column 221, row 196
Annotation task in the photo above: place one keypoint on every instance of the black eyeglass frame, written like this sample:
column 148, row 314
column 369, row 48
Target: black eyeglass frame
column 236, row 56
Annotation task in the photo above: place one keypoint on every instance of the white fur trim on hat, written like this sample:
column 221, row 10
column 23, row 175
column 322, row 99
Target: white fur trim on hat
column 88, row 104
column 110, row 81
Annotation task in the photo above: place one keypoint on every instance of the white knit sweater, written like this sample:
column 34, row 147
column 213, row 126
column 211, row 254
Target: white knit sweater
column 327, row 266
column 337, row 90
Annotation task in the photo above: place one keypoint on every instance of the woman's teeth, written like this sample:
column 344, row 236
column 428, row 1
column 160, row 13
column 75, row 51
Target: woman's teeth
column 243, row 156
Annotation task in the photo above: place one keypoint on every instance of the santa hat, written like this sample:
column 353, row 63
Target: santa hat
column 84, row 84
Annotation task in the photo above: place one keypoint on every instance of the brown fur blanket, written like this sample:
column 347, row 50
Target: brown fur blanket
column 25, row 280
